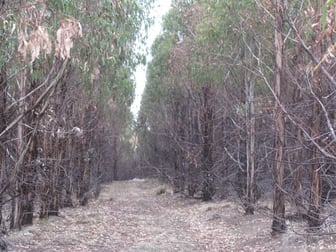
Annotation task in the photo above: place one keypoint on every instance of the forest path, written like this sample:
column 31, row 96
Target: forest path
column 131, row 216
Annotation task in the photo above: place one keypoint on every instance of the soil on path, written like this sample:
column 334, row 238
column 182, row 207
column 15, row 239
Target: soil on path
column 132, row 216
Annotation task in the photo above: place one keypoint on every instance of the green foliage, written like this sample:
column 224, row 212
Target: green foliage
column 102, row 60
column 105, row 53
column 221, row 37
column 158, row 69
column 202, row 45
column 36, row 74
column 8, row 24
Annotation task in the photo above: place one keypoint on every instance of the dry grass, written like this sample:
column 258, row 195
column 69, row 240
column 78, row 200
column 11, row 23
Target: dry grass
column 131, row 216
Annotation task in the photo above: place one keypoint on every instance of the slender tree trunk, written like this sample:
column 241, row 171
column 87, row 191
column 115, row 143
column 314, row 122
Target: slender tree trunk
column 315, row 198
column 3, row 98
column 298, row 155
column 3, row 104
column 69, row 178
column 29, row 175
column 279, row 224
column 85, row 182
column 59, row 178
column 315, row 194
column 177, row 156
column 317, row 85
column 55, row 192
column 80, row 171
column 115, row 158
column 16, row 216
column 192, row 168
column 297, row 176
column 28, row 186
column 208, row 189
column 250, row 127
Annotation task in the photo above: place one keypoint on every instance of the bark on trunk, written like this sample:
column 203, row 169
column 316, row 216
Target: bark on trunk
column 16, row 216
column 3, row 104
column 208, row 189
column 298, row 155
column 279, row 224
column 28, row 185
column 314, row 220
column 250, row 127
column 317, row 87
column 115, row 158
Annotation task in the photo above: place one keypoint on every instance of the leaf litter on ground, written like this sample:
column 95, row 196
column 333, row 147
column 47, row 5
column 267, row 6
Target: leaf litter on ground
column 131, row 216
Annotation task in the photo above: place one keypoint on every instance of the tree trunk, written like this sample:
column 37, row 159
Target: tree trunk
column 29, row 175
column 208, row 189
column 314, row 220
column 297, row 176
column 177, row 160
column 317, row 86
column 28, row 184
column 315, row 194
column 16, row 216
column 115, row 158
column 70, row 173
column 298, row 155
column 250, row 127
column 192, row 157
column 3, row 104
column 279, row 224
column 57, row 180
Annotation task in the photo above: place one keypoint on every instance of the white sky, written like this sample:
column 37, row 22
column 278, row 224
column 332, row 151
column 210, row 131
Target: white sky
column 160, row 9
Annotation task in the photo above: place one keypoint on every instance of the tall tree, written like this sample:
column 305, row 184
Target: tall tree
column 58, row 110
column 279, row 222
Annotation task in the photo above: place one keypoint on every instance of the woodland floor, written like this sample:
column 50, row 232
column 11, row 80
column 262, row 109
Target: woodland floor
column 132, row 216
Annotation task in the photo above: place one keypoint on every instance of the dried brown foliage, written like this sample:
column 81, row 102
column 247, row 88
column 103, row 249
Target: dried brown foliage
column 69, row 30
column 34, row 39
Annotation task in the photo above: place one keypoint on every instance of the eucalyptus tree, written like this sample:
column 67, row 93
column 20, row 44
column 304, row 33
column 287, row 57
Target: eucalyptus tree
column 197, row 67
column 154, row 140
column 245, row 87
column 107, row 57
column 279, row 224
column 303, row 119
column 165, row 111
column 312, row 34
column 232, row 38
column 69, row 78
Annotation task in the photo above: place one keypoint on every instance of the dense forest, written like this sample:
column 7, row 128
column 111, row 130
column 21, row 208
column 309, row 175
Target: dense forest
column 240, row 97
column 239, row 100
column 65, row 94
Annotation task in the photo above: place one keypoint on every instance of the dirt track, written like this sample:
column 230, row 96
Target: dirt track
column 131, row 216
